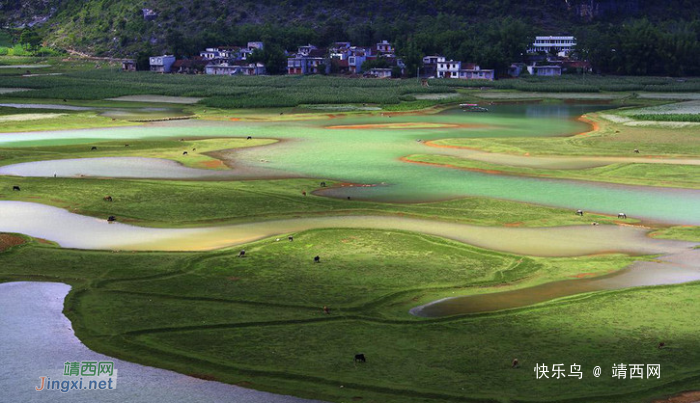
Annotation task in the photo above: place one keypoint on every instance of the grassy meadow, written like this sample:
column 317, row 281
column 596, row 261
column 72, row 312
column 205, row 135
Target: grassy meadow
column 205, row 315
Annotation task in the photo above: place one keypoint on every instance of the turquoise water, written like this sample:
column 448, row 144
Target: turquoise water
column 371, row 155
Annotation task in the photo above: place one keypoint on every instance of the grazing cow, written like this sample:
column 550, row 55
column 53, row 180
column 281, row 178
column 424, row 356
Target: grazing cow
column 326, row 310
column 65, row 100
column 184, row 153
column 662, row 345
column 360, row 358
column 241, row 253
column 126, row 145
column 16, row 188
column 323, row 184
column 107, row 198
column 317, row 259
column 249, row 138
column 281, row 113
column 111, row 218
column 93, row 148
column 303, row 192
column 621, row 215
column 348, row 197
column 636, row 151
column 515, row 363
column 291, row 238
column 579, row 212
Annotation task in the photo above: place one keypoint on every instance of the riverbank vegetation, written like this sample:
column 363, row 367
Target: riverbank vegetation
column 80, row 82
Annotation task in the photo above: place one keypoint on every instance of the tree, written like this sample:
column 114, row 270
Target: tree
column 412, row 57
column 29, row 39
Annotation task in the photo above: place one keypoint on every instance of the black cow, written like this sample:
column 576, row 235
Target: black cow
column 93, row 148
column 317, row 259
column 579, row 212
column 241, row 253
column 16, row 188
column 184, row 153
column 360, row 358
column 111, row 218
column 126, row 145
column 323, row 184
column 249, row 138
column 291, row 238
column 636, row 151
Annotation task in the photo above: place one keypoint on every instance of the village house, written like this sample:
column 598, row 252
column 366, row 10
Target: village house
column 544, row 71
column 128, row 65
column 309, row 60
column 161, row 64
column 250, row 48
column 556, row 45
column 236, row 67
column 448, row 68
column 472, row 71
column 456, row 69
column 220, row 53
column 348, row 59
column 380, row 72
column 384, row 47
column 189, row 66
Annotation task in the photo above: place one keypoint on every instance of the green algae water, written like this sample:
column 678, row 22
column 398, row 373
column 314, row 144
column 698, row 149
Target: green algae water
column 367, row 149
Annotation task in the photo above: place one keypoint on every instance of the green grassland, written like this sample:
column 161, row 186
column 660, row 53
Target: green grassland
column 258, row 321
column 98, row 80
column 169, row 203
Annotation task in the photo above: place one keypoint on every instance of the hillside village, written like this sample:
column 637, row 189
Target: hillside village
column 547, row 56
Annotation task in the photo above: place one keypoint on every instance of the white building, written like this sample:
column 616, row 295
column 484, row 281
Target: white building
column 240, row 67
column 544, row 71
column 385, row 47
column 560, row 45
column 448, row 68
column 380, row 72
column 161, row 64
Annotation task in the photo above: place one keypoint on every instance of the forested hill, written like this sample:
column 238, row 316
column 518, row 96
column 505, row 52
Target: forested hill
column 491, row 32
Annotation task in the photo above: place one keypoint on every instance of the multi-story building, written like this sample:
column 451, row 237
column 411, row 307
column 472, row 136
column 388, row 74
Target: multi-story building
column 309, row 60
column 560, row 45
column 448, row 68
column 457, row 69
column 237, row 67
column 385, row 47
